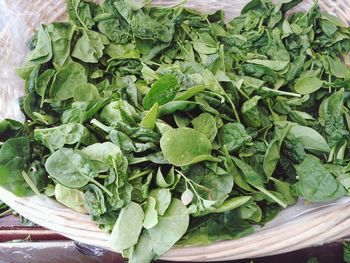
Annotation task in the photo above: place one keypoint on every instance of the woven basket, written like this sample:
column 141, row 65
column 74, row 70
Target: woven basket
column 296, row 227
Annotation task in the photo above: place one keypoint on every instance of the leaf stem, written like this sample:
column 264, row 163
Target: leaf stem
column 281, row 92
column 233, row 108
column 100, row 125
column 31, row 184
column 272, row 196
column 92, row 180
column 5, row 213
column 331, row 155
column 192, row 183
column 140, row 174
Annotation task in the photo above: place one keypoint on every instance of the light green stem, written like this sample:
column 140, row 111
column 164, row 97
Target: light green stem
column 5, row 213
column 31, row 184
column 272, row 196
column 101, row 125
column 138, row 175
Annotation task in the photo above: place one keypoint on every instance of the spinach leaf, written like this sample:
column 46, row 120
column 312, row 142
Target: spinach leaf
column 71, row 169
column 335, row 126
column 79, row 13
column 67, row 134
column 42, row 83
column 251, row 113
column 14, row 157
column 143, row 250
column 151, row 215
column 233, row 136
column 162, row 91
column 185, row 146
column 206, row 124
column 94, row 200
column 149, row 121
column 65, row 81
column 249, row 175
column 61, row 35
column 71, row 198
column 228, row 225
column 271, row 158
column 317, row 184
column 119, row 110
column 162, row 198
column 43, row 50
column 85, row 92
column 310, row 138
column 170, row 228
column 130, row 216
column 89, row 47
column 308, row 84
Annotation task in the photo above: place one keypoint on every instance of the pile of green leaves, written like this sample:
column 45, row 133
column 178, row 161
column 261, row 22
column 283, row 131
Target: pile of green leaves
column 168, row 127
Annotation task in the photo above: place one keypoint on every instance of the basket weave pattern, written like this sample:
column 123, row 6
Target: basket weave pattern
column 17, row 24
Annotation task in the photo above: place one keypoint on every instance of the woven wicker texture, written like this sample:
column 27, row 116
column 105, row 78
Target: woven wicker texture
column 18, row 20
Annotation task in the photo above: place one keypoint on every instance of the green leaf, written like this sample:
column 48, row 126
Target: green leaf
column 203, row 47
column 338, row 68
column 310, row 138
column 181, row 120
column 276, row 65
column 163, row 198
column 228, row 225
column 251, row 112
column 85, row 91
column 189, row 93
column 42, row 83
column 168, row 181
column 334, row 119
column 229, row 205
column 89, row 47
column 95, row 200
column 151, row 215
column 61, row 35
column 65, row 81
column 206, row 124
column 119, row 110
column 79, row 13
column 67, row 134
column 104, row 156
column 233, row 136
column 170, row 228
column 162, row 91
column 271, row 158
column 317, row 184
column 174, row 106
column 185, row 146
column 30, row 105
column 333, row 19
column 127, row 229
column 285, row 189
column 69, row 168
column 71, row 198
column 308, row 84
column 14, row 156
column 143, row 250
column 149, row 121
column 250, row 176
column 211, row 83
column 346, row 251
column 43, row 50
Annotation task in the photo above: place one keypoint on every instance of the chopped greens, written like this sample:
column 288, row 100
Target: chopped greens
column 169, row 127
